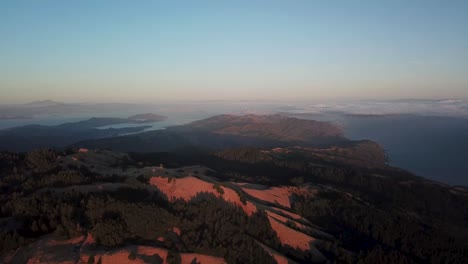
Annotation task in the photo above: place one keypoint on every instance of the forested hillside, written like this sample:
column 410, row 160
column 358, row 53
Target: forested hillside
column 242, row 205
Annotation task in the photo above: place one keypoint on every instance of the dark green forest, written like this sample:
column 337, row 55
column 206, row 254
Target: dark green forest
column 393, row 218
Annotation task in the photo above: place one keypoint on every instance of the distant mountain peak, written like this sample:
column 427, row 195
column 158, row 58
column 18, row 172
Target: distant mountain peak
column 43, row 103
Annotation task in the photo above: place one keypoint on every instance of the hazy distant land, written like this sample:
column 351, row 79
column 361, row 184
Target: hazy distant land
column 28, row 137
column 431, row 134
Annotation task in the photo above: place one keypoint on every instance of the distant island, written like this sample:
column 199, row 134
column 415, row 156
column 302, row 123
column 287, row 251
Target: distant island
column 97, row 122
column 37, row 108
column 47, row 108
column 43, row 103
column 9, row 116
column 147, row 118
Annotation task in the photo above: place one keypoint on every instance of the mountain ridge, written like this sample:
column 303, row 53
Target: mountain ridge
column 229, row 131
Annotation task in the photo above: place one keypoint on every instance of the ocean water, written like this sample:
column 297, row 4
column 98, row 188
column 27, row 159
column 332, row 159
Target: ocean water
column 431, row 147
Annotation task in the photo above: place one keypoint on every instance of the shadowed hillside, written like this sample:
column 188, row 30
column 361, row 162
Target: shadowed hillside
column 271, row 205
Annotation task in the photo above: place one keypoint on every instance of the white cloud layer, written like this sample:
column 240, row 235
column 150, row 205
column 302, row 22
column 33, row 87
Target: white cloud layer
column 456, row 108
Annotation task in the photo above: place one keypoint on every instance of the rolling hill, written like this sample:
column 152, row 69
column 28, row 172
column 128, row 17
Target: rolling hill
column 241, row 205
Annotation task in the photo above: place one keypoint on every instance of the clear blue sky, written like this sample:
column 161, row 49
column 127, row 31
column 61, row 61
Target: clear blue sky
column 271, row 50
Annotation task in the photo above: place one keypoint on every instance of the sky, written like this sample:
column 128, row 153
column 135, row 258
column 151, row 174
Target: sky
column 144, row 51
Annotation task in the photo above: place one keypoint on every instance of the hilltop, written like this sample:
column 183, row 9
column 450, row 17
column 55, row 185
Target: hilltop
column 225, row 131
column 275, row 127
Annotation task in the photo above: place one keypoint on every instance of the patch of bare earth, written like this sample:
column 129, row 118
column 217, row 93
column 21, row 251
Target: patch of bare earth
column 203, row 259
column 79, row 250
column 275, row 195
column 188, row 187
column 285, row 219
column 289, row 236
column 289, row 214
column 176, row 230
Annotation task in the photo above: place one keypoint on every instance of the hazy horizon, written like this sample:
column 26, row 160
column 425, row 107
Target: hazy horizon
column 281, row 101
column 118, row 51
